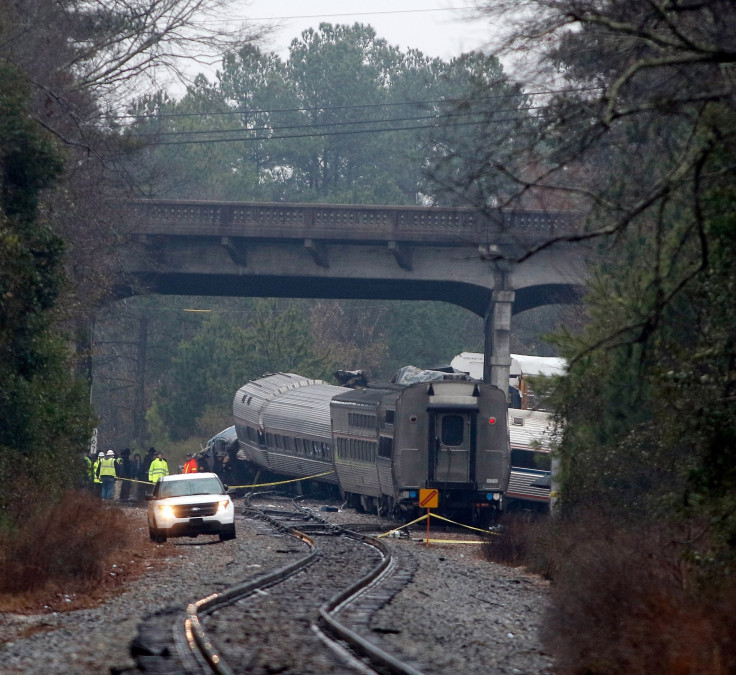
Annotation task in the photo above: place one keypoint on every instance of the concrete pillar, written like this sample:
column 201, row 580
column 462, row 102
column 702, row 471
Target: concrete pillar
column 497, row 351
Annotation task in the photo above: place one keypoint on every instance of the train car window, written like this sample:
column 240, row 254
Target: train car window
column 361, row 421
column 390, row 416
column 453, row 427
column 528, row 459
column 385, row 447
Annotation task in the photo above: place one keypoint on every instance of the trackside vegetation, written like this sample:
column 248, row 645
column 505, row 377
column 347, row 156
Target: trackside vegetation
column 626, row 114
column 641, row 135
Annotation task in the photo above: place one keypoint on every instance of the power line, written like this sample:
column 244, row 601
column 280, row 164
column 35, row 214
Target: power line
column 318, row 134
column 427, row 102
column 354, row 106
column 313, row 125
column 387, row 12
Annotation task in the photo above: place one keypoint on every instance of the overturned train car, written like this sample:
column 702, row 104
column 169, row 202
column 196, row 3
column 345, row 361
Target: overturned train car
column 381, row 444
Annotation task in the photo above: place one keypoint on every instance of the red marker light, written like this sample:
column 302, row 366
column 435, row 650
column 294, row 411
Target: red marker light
column 491, row 420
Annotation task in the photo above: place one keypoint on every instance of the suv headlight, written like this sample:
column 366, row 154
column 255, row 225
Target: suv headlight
column 222, row 505
column 166, row 511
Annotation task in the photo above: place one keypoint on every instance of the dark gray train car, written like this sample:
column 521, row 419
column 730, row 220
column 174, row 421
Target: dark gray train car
column 451, row 435
column 362, row 428
column 383, row 442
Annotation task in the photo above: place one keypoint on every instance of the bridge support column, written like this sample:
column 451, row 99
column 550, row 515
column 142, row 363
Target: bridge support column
column 497, row 350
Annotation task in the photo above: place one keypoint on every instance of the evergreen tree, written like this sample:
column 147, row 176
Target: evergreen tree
column 45, row 417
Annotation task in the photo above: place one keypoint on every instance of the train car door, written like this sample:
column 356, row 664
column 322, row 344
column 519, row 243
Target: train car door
column 450, row 458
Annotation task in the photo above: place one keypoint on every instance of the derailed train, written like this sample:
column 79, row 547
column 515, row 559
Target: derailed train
column 381, row 444
column 532, row 436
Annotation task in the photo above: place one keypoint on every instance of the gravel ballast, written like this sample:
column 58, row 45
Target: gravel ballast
column 459, row 614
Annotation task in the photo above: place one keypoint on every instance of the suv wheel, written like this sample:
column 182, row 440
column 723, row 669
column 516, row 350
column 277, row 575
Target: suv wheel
column 156, row 535
column 227, row 532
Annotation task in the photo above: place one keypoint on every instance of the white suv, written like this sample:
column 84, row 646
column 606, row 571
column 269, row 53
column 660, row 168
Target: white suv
column 185, row 505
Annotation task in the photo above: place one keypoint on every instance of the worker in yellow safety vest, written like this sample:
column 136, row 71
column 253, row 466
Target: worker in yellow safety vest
column 95, row 474
column 107, row 474
column 158, row 469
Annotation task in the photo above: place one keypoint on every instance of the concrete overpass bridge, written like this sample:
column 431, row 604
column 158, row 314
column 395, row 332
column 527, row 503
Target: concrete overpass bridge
column 454, row 255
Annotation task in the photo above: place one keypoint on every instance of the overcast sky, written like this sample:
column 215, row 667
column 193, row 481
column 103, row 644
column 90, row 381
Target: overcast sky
column 435, row 27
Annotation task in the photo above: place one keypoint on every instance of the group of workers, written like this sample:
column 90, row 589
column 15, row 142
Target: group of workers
column 108, row 469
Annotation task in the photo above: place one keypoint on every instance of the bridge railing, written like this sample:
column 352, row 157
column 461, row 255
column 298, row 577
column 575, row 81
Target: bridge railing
column 353, row 222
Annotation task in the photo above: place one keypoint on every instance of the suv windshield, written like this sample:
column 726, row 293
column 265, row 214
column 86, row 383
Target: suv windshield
column 184, row 488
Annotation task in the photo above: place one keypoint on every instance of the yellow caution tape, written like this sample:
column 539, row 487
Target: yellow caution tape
column 449, row 541
column 280, row 482
column 386, row 534
column 434, row 515
column 255, row 485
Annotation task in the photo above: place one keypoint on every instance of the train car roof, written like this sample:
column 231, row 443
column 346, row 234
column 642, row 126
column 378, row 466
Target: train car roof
column 371, row 396
column 253, row 395
column 288, row 402
column 521, row 364
column 303, row 412
column 531, row 429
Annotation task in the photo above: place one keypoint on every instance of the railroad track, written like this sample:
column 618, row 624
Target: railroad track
column 310, row 615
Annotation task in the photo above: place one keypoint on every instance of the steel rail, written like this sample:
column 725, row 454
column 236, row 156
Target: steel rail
column 196, row 636
column 328, row 611
column 330, row 628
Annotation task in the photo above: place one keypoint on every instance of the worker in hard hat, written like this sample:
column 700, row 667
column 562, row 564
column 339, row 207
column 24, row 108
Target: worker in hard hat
column 107, row 474
column 158, row 469
column 96, row 473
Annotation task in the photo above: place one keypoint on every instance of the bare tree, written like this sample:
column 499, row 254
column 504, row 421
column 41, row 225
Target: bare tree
column 634, row 101
column 619, row 75
column 84, row 60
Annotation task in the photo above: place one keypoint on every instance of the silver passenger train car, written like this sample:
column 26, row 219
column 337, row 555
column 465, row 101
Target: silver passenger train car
column 531, row 436
column 382, row 443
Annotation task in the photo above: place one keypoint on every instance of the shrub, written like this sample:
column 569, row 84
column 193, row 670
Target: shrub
column 67, row 541
column 517, row 541
column 634, row 598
